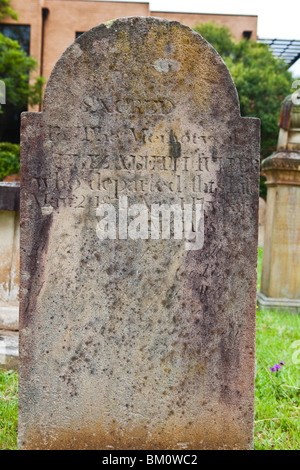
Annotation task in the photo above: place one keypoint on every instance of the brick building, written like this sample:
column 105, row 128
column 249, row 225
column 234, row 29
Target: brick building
column 47, row 27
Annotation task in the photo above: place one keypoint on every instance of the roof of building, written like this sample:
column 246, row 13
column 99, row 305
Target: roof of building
column 286, row 49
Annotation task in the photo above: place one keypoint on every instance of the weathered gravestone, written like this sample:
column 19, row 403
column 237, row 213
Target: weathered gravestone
column 280, row 277
column 140, row 340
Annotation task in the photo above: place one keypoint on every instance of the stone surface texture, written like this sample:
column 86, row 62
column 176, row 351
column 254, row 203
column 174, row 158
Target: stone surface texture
column 138, row 344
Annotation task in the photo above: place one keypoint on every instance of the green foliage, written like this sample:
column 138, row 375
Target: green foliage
column 262, row 81
column 8, row 409
column 219, row 37
column 9, row 159
column 262, row 187
column 15, row 68
column 6, row 10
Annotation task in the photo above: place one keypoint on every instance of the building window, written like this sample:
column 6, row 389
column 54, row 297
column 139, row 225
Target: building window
column 10, row 117
column 247, row 34
column 17, row 32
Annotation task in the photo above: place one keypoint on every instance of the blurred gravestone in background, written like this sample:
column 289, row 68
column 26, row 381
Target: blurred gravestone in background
column 261, row 221
column 280, row 283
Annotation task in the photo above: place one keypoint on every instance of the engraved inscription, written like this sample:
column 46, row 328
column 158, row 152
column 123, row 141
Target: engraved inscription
column 185, row 164
column 148, row 107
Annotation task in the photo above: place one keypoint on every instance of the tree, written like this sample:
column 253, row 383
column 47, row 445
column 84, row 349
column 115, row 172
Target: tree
column 6, row 10
column 15, row 70
column 219, row 37
column 262, row 81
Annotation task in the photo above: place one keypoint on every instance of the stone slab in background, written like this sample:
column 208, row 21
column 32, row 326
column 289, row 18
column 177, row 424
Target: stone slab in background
column 267, row 304
column 9, row 196
column 138, row 343
column 9, row 350
column 9, row 256
column 261, row 221
column 9, row 316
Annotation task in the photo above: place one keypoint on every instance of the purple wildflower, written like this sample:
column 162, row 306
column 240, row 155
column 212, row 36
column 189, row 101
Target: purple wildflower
column 277, row 367
column 282, row 363
column 272, row 369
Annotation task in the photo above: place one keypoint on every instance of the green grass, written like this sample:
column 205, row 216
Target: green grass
column 8, row 409
column 277, row 398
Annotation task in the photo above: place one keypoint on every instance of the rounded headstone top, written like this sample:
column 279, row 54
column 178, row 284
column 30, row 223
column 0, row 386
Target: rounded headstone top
column 139, row 58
